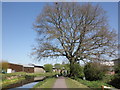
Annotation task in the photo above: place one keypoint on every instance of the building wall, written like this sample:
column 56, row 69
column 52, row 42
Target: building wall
column 15, row 67
column 29, row 69
column 38, row 70
column 20, row 68
column 9, row 70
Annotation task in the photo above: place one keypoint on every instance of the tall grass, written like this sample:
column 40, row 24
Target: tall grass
column 98, row 83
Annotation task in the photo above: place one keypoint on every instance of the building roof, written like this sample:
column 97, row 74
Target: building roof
column 39, row 66
column 36, row 65
column 25, row 65
column 15, row 64
column 28, row 65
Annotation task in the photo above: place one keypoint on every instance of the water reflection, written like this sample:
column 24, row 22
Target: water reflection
column 26, row 86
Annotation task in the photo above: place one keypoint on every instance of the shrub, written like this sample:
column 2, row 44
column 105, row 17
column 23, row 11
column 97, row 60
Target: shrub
column 77, row 70
column 117, row 68
column 107, row 78
column 94, row 71
column 116, row 81
column 48, row 67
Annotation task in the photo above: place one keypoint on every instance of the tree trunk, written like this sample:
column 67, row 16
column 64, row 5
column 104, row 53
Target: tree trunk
column 72, row 62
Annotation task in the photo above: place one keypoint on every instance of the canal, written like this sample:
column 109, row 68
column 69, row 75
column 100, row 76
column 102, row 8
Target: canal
column 29, row 82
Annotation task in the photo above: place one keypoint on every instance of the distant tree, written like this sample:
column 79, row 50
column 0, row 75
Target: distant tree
column 58, row 66
column 66, row 67
column 4, row 65
column 48, row 67
column 75, row 31
column 94, row 71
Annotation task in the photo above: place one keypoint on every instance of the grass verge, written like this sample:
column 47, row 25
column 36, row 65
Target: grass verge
column 41, row 74
column 47, row 83
column 74, row 84
column 12, row 78
column 93, row 84
column 12, row 81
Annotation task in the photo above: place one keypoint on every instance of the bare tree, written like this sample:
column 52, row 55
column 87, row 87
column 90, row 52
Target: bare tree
column 77, row 32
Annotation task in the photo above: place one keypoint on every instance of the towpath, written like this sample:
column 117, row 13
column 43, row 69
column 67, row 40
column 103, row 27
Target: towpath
column 60, row 83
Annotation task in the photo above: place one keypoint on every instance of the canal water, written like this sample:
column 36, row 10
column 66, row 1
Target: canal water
column 29, row 82
column 26, row 86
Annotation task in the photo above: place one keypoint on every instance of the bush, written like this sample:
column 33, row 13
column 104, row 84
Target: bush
column 48, row 67
column 94, row 71
column 116, row 81
column 107, row 78
column 78, row 71
column 117, row 68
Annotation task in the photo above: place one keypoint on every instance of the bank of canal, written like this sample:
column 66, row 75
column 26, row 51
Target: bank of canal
column 26, row 86
column 29, row 82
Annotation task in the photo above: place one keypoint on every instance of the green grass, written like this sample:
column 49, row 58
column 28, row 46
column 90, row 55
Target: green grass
column 15, row 73
column 20, row 76
column 7, row 75
column 8, row 82
column 93, row 84
column 98, row 83
column 47, row 83
column 74, row 84
column 5, row 81
column 41, row 74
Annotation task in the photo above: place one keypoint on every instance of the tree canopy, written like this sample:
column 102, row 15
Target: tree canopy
column 75, row 31
column 4, row 65
column 48, row 67
column 58, row 66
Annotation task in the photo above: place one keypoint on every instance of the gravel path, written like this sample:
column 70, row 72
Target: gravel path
column 60, row 83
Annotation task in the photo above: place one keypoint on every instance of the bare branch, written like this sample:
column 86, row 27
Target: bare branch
column 78, row 32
